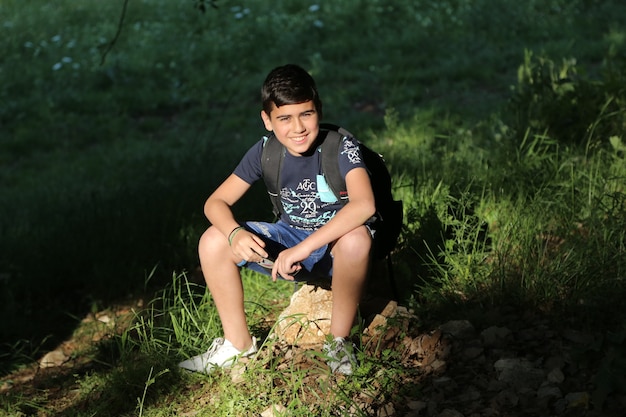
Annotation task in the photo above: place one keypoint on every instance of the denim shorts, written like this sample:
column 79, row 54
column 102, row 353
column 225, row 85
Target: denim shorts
column 280, row 236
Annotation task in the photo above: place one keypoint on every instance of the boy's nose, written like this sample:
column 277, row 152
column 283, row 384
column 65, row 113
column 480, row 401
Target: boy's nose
column 298, row 125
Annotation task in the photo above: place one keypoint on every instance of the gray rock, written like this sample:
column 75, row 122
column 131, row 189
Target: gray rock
column 448, row 412
column 549, row 392
column 519, row 373
column 495, row 336
column 458, row 329
column 555, row 376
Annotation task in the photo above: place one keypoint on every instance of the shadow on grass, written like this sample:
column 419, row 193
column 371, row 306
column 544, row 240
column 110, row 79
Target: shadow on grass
column 99, row 253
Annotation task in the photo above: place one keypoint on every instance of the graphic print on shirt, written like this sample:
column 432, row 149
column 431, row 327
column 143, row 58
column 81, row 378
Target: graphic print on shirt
column 303, row 205
column 303, row 201
column 351, row 150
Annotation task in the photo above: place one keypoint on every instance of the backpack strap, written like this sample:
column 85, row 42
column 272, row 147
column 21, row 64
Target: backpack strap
column 330, row 160
column 272, row 158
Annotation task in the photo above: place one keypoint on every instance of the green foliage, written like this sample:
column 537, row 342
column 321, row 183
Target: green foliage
column 567, row 106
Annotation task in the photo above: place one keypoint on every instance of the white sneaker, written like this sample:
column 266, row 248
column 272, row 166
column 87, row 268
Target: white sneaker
column 340, row 356
column 221, row 354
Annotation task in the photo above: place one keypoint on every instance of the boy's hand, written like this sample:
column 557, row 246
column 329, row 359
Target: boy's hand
column 287, row 264
column 248, row 247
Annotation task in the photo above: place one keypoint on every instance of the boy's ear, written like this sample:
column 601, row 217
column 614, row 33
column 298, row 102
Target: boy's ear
column 267, row 121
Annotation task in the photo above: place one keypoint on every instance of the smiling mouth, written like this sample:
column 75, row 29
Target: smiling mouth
column 299, row 139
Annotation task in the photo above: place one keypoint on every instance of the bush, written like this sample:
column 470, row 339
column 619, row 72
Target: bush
column 562, row 102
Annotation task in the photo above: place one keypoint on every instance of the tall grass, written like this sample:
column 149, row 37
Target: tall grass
column 543, row 228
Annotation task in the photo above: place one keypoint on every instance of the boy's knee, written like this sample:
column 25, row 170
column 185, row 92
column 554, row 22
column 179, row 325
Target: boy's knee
column 355, row 244
column 211, row 240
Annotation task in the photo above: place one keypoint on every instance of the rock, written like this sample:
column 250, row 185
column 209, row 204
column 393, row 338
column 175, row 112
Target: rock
column 382, row 332
column 438, row 366
column 306, row 321
column 548, row 393
column 495, row 336
column 472, row 352
column 387, row 410
column 237, row 371
column 554, row 362
column 390, row 309
column 444, row 383
column 274, row 411
column 578, row 337
column 458, row 329
column 416, row 405
column 424, row 344
column 578, row 399
column 519, row 373
column 448, row 412
column 469, row 394
column 556, row 376
column 53, row 359
column 505, row 399
column 489, row 412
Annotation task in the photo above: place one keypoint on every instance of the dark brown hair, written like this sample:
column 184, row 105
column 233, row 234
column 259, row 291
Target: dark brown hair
column 289, row 84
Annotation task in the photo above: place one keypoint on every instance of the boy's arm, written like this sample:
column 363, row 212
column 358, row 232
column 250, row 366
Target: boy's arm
column 217, row 210
column 354, row 214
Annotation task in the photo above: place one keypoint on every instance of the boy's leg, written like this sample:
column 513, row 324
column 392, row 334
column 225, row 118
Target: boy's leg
column 351, row 256
column 223, row 279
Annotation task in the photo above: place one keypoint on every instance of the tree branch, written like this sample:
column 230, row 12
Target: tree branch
column 117, row 34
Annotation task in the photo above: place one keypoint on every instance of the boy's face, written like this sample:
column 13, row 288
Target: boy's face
column 295, row 125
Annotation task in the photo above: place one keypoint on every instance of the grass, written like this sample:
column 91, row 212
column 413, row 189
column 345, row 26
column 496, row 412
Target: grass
column 502, row 125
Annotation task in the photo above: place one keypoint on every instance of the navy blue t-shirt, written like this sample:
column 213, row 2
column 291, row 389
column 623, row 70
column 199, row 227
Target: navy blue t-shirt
column 305, row 204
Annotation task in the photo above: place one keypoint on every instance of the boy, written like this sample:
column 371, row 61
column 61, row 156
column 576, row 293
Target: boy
column 313, row 237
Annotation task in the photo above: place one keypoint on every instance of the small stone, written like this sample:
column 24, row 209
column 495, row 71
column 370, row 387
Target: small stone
column 438, row 365
column 554, row 362
column 387, row 410
column 53, row 359
column 549, row 392
column 556, row 376
column 275, row 410
column 560, row 406
column 448, row 412
column 495, row 336
column 577, row 399
column 495, row 385
column 470, row 394
column 472, row 352
column 489, row 412
column 104, row 318
column 459, row 329
column 519, row 374
column 505, row 398
column 417, row 405
column 578, row 337
column 444, row 383
column 237, row 373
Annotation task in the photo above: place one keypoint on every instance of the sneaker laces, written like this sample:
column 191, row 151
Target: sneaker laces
column 217, row 343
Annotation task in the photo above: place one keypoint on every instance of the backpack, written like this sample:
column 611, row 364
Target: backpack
column 387, row 221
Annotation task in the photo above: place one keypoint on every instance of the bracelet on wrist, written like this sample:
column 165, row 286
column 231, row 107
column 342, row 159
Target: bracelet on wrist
column 232, row 234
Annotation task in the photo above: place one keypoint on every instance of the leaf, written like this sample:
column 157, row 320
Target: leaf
column 616, row 143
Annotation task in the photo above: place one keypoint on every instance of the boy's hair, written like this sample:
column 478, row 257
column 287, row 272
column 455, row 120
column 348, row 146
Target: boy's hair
column 289, row 84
